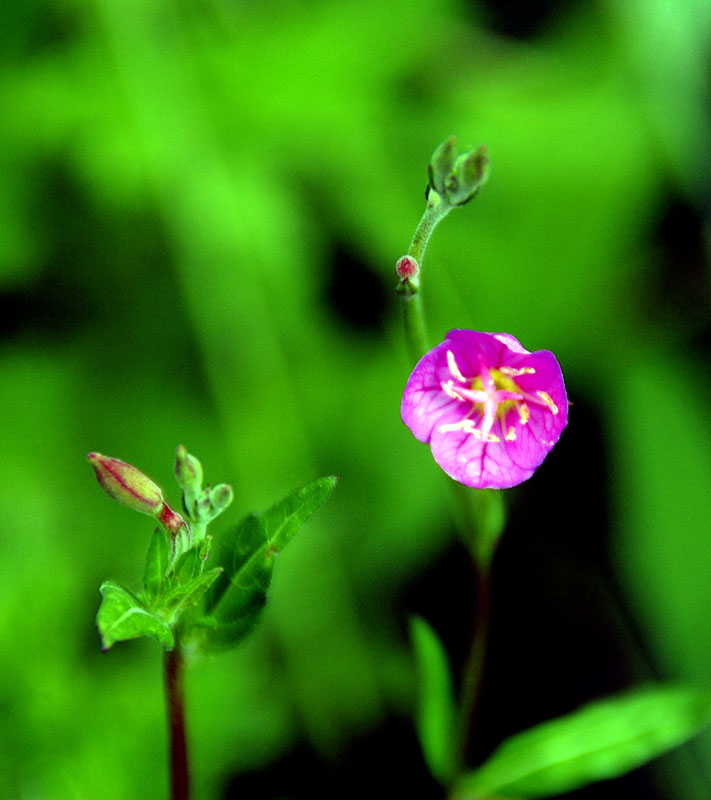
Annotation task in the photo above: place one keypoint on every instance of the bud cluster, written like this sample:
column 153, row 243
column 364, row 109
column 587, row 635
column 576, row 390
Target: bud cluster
column 457, row 178
column 200, row 505
column 129, row 486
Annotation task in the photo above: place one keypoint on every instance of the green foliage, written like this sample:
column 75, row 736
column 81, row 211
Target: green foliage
column 239, row 588
column 173, row 193
column 122, row 615
column 602, row 740
column 188, row 593
column 157, row 563
column 435, row 717
column 248, row 553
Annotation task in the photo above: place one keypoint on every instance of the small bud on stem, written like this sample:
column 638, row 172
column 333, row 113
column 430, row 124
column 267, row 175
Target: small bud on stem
column 408, row 270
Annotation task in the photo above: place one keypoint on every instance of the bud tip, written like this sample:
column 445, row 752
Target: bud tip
column 407, row 268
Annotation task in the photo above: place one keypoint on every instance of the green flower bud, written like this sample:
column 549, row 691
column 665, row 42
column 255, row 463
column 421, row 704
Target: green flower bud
column 441, row 164
column 188, row 470
column 470, row 173
column 457, row 178
column 220, row 497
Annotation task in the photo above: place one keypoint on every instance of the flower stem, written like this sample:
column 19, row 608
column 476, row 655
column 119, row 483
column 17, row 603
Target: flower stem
column 436, row 210
column 173, row 670
column 414, row 326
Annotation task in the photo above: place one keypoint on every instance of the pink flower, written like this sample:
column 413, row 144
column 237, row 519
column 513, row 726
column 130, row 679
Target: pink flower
column 490, row 410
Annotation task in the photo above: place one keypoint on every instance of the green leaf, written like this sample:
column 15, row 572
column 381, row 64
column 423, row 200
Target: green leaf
column 435, row 717
column 157, row 560
column 248, row 553
column 188, row 565
column 188, row 594
column 223, row 636
column 602, row 740
column 123, row 616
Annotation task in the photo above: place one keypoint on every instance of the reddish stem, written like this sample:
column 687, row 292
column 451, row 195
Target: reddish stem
column 173, row 664
column 474, row 670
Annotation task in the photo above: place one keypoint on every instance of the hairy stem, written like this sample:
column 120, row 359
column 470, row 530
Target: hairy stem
column 173, row 670
column 413, row 318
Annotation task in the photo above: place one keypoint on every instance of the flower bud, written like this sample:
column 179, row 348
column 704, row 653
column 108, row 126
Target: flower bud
column 407, row 268
column 470, row 173
column 188, row 470
column 126, row 484
column 220, row 497
column 441, row 164
column 130, row 487
column 457, row 178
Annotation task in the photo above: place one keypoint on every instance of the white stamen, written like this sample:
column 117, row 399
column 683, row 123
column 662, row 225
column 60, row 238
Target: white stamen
column 548, row 400
column 448, row 390
column 453, row 368
column 514, row 373
column 467, row 425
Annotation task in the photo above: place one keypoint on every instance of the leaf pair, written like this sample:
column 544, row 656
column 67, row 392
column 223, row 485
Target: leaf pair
column 602, row 740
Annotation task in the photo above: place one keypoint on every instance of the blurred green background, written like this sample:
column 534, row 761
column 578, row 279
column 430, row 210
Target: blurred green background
column 201, row 204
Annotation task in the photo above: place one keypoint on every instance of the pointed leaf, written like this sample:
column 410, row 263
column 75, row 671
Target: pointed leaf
column 188, row 565
column 223, row 636
column 188, row 594
column 157, row 560
column 248, row 554
column 265, row 531
column 435, row 718
column 123, row 616
column 602, row 740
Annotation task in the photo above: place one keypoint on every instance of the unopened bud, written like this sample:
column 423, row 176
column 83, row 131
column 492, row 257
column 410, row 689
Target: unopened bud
column 126, row 484
column 220, row 497
column 441, row 163
column 457, row 178
column 130, row 487
column 188, row 470
column 470, row 173
column 407, row 268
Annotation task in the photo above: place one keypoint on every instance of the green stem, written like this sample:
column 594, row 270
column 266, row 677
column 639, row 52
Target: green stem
column 436, row 210
column 173, row 672
column 414, row 326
